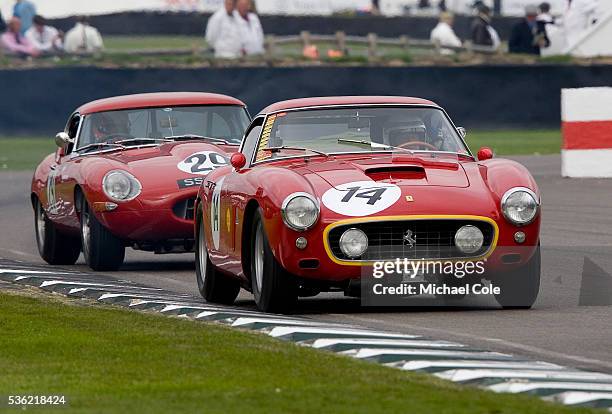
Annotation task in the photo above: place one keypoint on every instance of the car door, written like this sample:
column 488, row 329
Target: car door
column 235, row 193
column 66, row 172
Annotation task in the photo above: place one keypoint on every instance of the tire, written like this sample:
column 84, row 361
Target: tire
column 102, row 250
column 275, row 289
column 54, row 247
column 520, row 288
column 213, row 285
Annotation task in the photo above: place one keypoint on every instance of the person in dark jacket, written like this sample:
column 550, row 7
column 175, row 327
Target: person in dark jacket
column 482, row 32
column 2, row 23
column 529, row 34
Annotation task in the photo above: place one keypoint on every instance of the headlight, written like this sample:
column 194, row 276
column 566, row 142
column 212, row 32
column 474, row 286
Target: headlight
column 520, row 205
column 353, row 243
column 300, row 211
column 469, row 239
column 120, row 185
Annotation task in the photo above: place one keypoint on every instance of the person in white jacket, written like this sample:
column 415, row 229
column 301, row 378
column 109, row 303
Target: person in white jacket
column 444, row 35
column 250, row 28
column 223, row 32
column 83, row 38
column 580, row 15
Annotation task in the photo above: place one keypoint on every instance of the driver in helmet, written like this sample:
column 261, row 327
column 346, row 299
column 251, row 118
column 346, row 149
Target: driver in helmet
column 110, row 126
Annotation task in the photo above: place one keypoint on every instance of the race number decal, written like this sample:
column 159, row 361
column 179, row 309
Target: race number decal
column 361, row 198
column 51, row 197
column 215, row 213
column 203, row 162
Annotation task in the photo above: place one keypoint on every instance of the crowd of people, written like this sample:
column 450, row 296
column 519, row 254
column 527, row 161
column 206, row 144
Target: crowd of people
column 538, row 31
column 234, row 30
column 27, row 34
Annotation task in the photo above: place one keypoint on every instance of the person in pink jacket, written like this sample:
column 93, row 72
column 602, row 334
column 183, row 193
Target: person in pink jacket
column 14, row 43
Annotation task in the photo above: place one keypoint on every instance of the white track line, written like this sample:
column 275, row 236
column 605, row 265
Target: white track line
column 379, row 353
column 462, row 375
column 452, row 364
column 579, row 397
column 515, row 387
column 365, row 343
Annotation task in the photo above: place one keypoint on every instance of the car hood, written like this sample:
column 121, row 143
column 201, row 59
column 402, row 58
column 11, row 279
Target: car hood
column 401, row 170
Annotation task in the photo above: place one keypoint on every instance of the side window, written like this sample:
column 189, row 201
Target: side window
column 72, row 129
column 251, row 138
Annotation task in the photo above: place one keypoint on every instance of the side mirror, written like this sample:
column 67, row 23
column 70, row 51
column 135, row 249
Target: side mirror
column 462, row 132
column 484, row 153
column 62, row 140
column 238, row 160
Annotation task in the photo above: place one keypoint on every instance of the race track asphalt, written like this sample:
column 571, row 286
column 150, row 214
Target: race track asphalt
column 576, row 257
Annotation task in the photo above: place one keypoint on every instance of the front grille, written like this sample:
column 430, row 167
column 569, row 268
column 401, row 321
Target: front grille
column 185, row 209
column 433, row 239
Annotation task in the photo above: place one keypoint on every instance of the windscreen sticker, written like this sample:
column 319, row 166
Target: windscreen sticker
column 215, row 213
column 265, row 138
column 202, row 163
column 361, row 198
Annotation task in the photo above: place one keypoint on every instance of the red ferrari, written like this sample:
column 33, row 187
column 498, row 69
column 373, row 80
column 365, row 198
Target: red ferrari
column 323, row 188
column 126, row 173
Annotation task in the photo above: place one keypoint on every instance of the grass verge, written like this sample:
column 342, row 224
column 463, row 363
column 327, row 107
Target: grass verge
column 26, row 153
column 106, row 359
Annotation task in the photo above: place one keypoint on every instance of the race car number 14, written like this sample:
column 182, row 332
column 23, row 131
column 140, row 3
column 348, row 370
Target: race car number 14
column 361, row 198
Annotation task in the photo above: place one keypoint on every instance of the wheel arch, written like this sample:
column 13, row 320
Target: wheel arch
column 247, row 230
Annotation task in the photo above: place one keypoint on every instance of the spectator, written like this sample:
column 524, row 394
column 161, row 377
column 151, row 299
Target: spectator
column 483, row 34
column 2, row 24
column 580, row 15
column 14, row 43
column 528, row 35
column 46, row 39
column 25, row 10
column 545, row 17
column 250, row 28
column 223, row 32
column 444, row 35
column 83, row 38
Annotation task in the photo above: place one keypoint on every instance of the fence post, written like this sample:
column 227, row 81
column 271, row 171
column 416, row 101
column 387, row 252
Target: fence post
column 341, row 39
column 372, row 44
column 305, row 35
column 405, row 42
column 270, row 46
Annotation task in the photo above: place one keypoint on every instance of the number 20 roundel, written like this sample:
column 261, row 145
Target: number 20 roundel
column 203, row 162
column 361, row 198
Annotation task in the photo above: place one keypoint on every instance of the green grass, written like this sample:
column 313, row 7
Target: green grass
column 24, row 153
column 516, row 142
column 113, row 360
column 118, row 43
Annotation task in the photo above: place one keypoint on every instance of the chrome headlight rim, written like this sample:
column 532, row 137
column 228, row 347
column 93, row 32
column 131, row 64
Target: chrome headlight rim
column 286, row 203
column 135, row 186
column 344, row 235
column 509, row 193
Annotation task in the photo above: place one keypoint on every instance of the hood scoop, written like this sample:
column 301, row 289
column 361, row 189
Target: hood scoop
column 394, row 173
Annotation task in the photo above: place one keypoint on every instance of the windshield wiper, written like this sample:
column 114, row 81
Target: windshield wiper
column 100, row 145
column 373, row 145
column 144, row 140
column 188, row 137
column 285, row 147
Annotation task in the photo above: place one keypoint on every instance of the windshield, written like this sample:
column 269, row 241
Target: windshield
column 362, row 129
column 221, row 122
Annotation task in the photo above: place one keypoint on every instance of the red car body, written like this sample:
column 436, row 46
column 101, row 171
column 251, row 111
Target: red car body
column 434, row 186
column 160, row 218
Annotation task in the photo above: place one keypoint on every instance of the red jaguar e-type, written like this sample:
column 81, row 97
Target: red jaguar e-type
column 126, row 173
column 322, row 187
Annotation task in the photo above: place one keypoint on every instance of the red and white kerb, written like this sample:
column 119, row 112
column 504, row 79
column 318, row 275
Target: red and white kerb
column 586, row 115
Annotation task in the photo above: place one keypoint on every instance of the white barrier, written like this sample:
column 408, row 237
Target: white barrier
column 587, row 132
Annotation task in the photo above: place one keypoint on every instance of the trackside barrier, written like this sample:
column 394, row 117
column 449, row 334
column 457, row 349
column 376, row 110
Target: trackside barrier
column 586, row 115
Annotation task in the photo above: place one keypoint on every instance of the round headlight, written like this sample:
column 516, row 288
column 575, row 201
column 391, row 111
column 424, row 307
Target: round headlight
column 469, row 239
column 520, row 205
column 353, row 243
column 121, row 186
column 300, row 211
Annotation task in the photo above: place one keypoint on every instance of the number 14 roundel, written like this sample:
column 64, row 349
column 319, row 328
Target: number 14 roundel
column 361, row 198
column 203, row 162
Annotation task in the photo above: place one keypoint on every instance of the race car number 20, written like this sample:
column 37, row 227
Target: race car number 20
column 361, row 198
column 203, row 162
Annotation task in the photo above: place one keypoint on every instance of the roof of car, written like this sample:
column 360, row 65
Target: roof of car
column 345, row 100
column 152, row 100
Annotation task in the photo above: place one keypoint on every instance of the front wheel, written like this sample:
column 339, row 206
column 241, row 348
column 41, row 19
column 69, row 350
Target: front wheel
column 214, row 286
column 54, row 247
column 102, row 250
column 519, row 288
column 274, row 288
